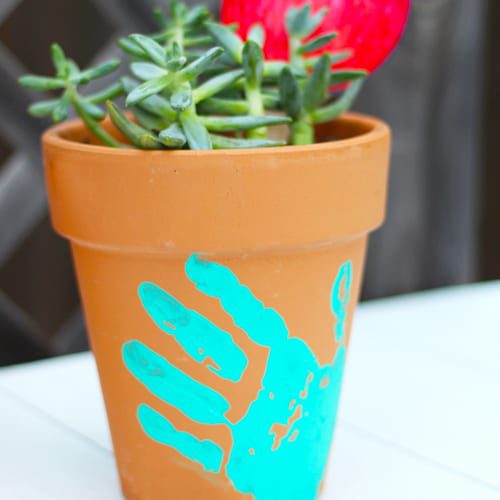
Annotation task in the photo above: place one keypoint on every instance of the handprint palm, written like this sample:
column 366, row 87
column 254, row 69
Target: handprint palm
column 296, row 391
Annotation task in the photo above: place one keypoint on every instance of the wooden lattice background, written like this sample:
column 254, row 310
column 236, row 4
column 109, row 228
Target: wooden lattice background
column 430, row 91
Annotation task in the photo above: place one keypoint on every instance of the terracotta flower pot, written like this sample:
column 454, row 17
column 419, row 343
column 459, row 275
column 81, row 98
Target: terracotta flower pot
column 219, row 289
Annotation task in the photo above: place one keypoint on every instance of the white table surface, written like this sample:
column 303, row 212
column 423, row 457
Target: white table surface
column 420, row 412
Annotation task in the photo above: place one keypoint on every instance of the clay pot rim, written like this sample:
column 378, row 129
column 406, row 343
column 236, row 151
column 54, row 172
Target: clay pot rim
column 377, row 129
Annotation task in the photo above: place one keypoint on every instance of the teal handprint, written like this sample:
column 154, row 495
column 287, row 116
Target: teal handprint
column 297, row 392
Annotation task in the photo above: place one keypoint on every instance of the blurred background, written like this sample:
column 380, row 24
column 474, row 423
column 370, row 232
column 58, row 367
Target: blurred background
column 440, row 92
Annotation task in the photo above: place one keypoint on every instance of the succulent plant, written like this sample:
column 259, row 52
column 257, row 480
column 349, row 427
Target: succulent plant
column 68, row 80
column 198, row 84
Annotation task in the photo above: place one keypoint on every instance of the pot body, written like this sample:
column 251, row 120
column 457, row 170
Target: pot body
column 218, row 290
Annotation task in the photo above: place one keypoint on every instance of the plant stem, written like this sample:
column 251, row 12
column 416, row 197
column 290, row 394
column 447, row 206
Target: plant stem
column 302, row 131
column 179, row 37
column 255, row 108
column 296, row 60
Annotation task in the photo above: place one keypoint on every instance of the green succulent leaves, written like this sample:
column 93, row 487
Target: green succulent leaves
column 241, row 123
column 316, row 43
column 147, row 71
column 257, row 34
column 305, row 100
column 346, row 75
column 68, row 79
column 43, row 108
column 41, row 82
column 148, row 89
column 199, row 65
column 139, row 136
column 336, row 108
column 94, row 73
column 226, row 38
column 223, row 142
column 216, row 85
column 300, row 22
column 317, row 85
column 290, row 94
column 253, row 63
column 173, row 136
column 197, row 84
column 197, row 135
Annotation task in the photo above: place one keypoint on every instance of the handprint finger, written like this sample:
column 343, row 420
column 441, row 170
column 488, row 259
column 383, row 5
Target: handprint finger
column 199, row 337
column 168, row 383
column 262, row 324
column 340, row 298
column 160, row 429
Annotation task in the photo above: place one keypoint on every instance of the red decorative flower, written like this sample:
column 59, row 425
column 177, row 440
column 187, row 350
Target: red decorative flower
column 371, row 28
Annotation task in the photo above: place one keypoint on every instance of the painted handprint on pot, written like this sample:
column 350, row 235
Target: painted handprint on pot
column 297, row 393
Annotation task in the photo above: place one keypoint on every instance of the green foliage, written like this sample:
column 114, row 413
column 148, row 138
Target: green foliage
column 196, row 133
column 227, row 39
column 336, row 108
column 173, row 136
column 223, row 142
column 216, row 85
column 253, row 63
column 241, row 123
column 300, row 22
column 291, row 94
column 305, row 99
column 138, row 135
column 257, row 34
column 197, row 84
column 316, row 43
column 316, row 89
column 68, row 79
